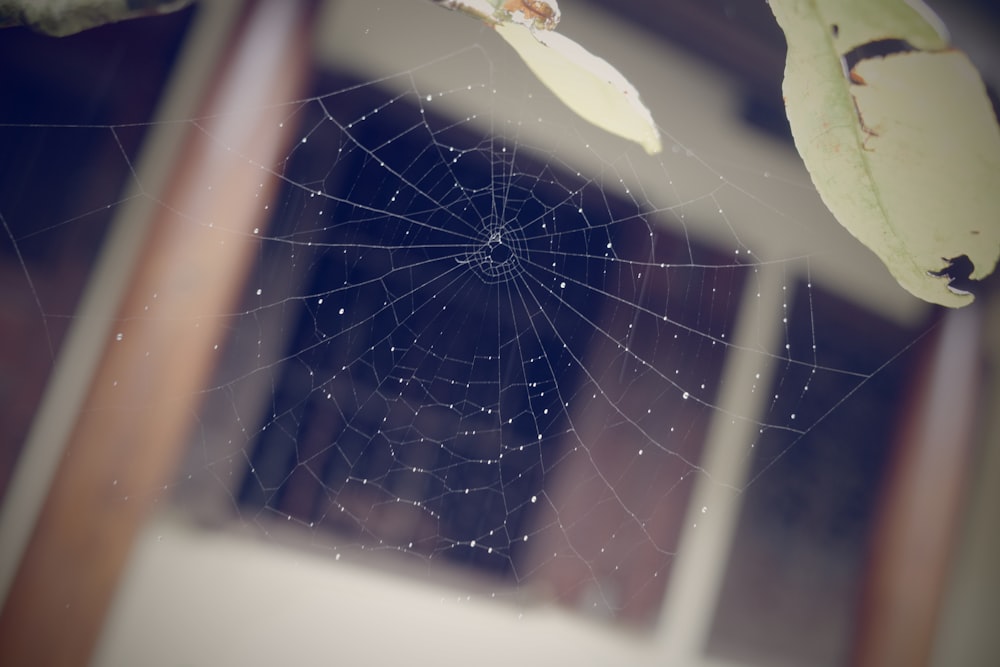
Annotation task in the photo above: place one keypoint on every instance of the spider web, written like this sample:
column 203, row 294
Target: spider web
column 492, row 358
column 481, row 334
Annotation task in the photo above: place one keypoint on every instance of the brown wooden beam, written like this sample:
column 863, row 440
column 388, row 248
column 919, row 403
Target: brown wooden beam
column 129, row 435
column 916, row 529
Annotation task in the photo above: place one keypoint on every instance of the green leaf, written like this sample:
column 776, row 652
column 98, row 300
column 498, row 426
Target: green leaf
column 587, row 84
column 67, row 17
column 899, row 136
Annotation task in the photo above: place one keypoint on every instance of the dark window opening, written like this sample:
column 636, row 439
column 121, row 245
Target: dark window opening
column 469, row 312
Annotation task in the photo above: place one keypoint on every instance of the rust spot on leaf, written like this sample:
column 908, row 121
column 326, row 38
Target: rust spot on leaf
column 539, row 10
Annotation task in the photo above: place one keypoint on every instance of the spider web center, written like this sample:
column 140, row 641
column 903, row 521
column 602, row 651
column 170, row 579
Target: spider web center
column 499, row 252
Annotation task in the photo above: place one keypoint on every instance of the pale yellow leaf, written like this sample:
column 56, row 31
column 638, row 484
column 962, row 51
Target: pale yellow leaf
column 587, row 84
column 903, row 147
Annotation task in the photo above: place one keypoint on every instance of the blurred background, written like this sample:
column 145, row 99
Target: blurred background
column 135, row 534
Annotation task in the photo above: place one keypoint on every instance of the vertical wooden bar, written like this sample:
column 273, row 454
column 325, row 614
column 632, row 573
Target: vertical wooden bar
column 129, row 434
column 923, row 499
column 966, row 630
column 700, row 567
